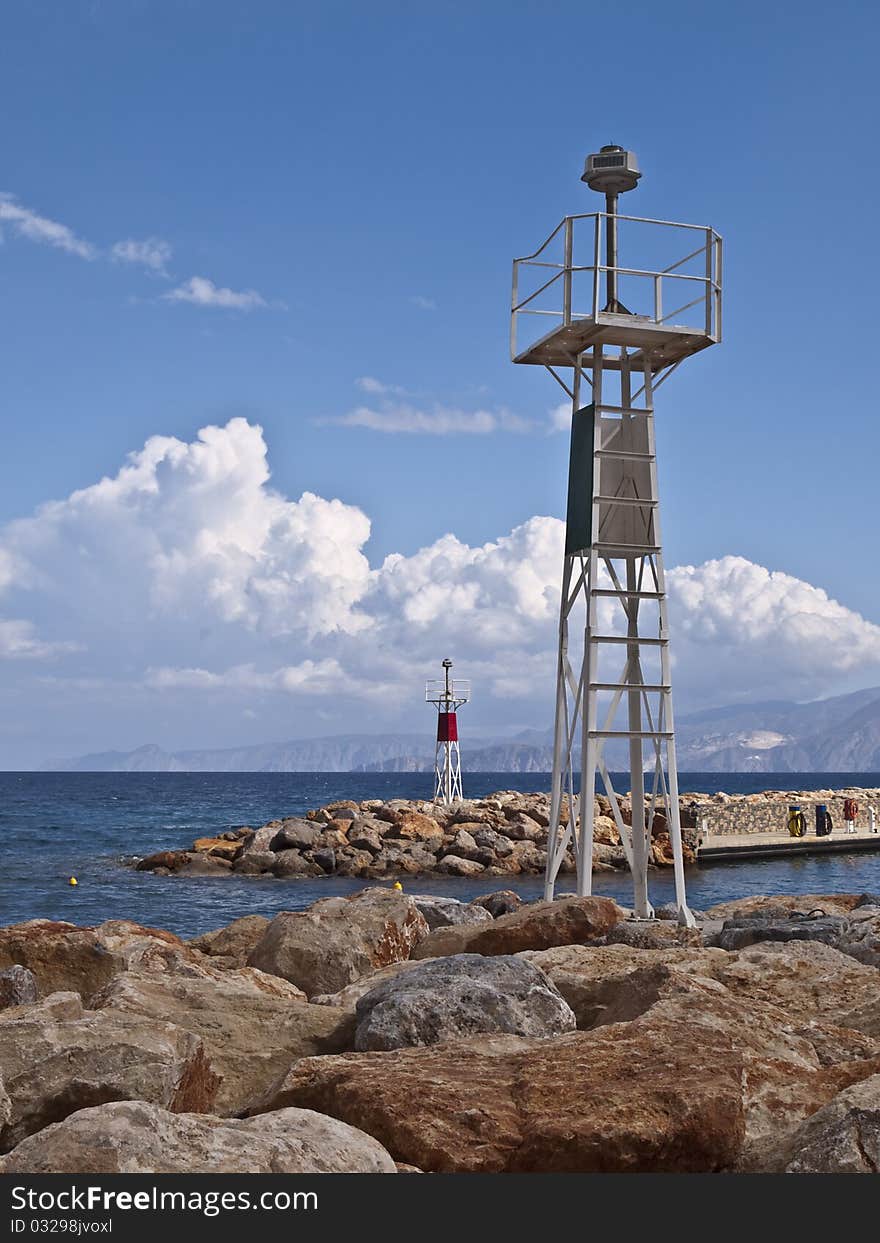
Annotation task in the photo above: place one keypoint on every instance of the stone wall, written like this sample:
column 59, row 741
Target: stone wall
column 758, row 813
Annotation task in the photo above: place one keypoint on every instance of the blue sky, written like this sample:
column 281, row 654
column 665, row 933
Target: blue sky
column 358, row 179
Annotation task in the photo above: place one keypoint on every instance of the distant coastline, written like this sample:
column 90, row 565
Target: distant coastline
column 838, row 735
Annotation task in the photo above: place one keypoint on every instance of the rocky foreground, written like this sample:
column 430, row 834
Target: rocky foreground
column 388, row 1032
column 502, row 835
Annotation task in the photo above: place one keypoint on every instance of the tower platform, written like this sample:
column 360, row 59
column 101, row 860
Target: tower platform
column 666, row 343
column 562, row 286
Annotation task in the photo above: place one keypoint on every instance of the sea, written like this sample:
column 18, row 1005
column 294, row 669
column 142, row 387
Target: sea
column 57, row 825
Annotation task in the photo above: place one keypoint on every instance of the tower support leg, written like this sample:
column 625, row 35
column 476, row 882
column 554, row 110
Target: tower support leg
column 613, row 587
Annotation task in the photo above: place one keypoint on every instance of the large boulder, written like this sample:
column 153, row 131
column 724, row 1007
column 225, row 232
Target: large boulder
column 295, row 834
column 584, row 1102
column 589, row 977
column 66, row 958
column 809, row 980
column 448, row 998
column 841, row 1138
column 252, row 1026
column 233, row 942
column 626, row 1096
column 18, row 987
column 56, row 1058
column 536, row 926
column 138, row 1138
column 339, row 939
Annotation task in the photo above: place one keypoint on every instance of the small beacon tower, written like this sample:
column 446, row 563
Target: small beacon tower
column 447, row 696
column 623, row 302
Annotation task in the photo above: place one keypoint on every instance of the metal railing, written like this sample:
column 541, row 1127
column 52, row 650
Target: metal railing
column 571, row 306
column 436, row 690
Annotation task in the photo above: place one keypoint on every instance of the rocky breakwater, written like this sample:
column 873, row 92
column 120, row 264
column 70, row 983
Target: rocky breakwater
column 389, row 1031
column 502, row 835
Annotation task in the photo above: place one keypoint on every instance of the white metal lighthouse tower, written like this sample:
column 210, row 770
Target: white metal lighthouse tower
column 606, row 281
column 447, row 696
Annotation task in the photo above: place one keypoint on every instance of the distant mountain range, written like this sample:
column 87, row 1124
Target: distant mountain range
column 841, row 734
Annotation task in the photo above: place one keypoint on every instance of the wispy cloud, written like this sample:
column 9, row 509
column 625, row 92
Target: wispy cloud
column 152, row 253
column 437, row 421
column 201, row 291
column 36, row 228
column 18, row 641
column 423, row 303
column 369, row 384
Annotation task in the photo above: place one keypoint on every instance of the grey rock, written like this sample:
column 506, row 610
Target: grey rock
column 294, row 863
column 488, row 839
column 868, row 899
column 133, row 1137
column 325, row 859
column 463, row 845
column 18, row 987
column 456, row 866
column 446, row 912
column 464, row 995
column 254, row 862
column 670, row 911
column 739, row 933
column 363, row 837
column 843, row 1137
column 262, row 839
column 295, row 834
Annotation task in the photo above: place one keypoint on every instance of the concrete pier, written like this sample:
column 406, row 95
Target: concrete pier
column 730, row 846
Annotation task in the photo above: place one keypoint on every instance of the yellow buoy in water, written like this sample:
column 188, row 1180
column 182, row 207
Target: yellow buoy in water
column 73, row 881
column 397, row 885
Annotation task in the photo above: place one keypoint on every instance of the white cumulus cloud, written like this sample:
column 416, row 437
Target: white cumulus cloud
column 185, row 578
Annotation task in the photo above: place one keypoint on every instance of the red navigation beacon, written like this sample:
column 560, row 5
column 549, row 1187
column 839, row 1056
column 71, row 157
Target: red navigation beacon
column 447, row 695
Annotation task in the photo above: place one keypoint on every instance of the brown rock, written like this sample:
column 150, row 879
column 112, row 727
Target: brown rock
column 810, row 981
column 501, row 902
column 414, row 826
column 587, row 1102
column 168, row 860
column 538, row 925
column 339, row 939
column 217, row 846
column 590, row 977
column 233, row 942
column 64, row 957
column 522, row 827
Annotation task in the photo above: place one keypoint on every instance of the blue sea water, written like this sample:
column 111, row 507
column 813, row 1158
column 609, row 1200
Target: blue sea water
column 57, row 825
